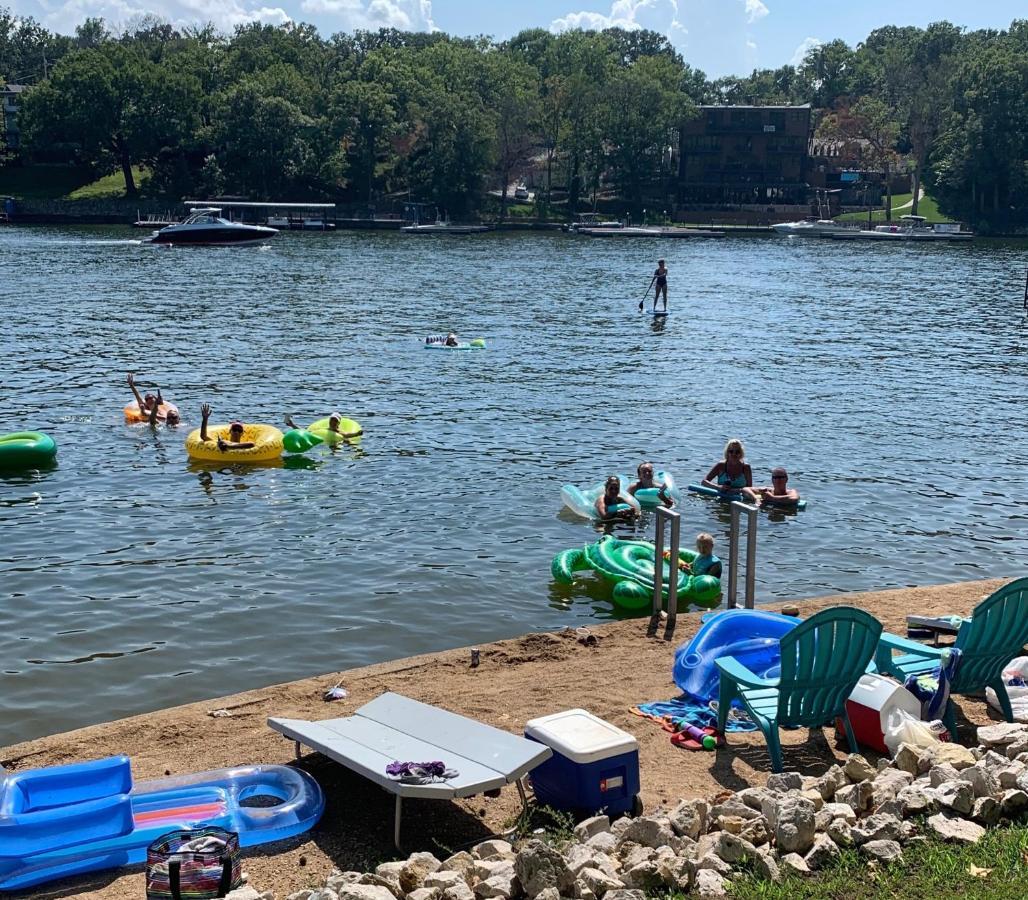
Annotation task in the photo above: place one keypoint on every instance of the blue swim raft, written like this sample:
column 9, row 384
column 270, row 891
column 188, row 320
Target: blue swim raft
column 66, row 820
column 730, row 495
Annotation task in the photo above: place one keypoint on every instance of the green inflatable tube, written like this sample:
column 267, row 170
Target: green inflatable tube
column 26, row 450
column 349, row 429
column 630, row 566
column 300, row 440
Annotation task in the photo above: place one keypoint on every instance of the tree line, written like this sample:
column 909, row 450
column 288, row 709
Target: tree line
column 281, row 112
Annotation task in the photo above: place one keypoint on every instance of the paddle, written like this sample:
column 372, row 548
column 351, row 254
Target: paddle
column 647, row 294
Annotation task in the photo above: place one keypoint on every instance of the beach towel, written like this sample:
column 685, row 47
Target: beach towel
column 671, row 714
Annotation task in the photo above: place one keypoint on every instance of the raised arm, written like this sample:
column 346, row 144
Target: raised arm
column 131, row 379
column 205, row 414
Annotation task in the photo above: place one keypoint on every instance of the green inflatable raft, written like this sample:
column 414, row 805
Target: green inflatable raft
column 630, row 566
column 26, row 450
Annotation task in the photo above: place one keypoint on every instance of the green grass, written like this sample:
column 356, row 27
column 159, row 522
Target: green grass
column 109, row 187
column 926, row 207
column 63, row 182
column 932, row 870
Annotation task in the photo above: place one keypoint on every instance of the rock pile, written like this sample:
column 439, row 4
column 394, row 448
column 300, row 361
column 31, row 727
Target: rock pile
column 793, row 823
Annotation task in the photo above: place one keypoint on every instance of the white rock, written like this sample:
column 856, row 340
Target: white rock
column 822, row 853
column 363, row 892
column 908, row 759
column 953, row 828
column 940, row 774
column 888, row 784
column 982, row 781
column 883, row 851
column 784, row 781
column 794, row 825
column 879, row 827
column 500, row 886
column 840, row 811
column 424, row 894
column 795, row 863
column 539, row 866
column 625, row 895
column 915, row 801
column 1002, row 734
column 246, row 892
column 483, row 869
column 858, row 769
column 840, row 831
column 604, row 842
column 731, row 848
column 765, row 865
column 676, row 873
column 710, row 884
column 689, row 818
column 715, row 862
column 599, row 882
column 415, row 869
column 955, row 795
column 645, row 876
column 492, row 848
column 590, row 827
column 858, row 796
column 458, row 891
column 986, row 811
column 1013, row 803
column 462, row 862
column 442, row 879
column 831, row 781
column 650, row 831
column 956, row 755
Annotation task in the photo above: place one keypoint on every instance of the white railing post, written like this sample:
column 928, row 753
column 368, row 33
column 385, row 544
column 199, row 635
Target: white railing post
column 664, row 516
column 737, row 508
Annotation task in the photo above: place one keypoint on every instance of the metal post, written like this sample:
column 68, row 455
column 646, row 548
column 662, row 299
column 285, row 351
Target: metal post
column 658, row 555
column 751, row 554
column 672, row 588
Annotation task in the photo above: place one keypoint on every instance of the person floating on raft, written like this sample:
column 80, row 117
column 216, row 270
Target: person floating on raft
column 644, row 479
column 334, row 428
column 150, row 408
column 733, row 474
column 235, row 433
column 611, row 498
column 449, row 341
column 779, row 494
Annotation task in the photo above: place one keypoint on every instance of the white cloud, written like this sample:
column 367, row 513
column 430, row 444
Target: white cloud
column 404, row 15
column 803, row 49
column 755, row 11
column 658, row 15
column 224, row 14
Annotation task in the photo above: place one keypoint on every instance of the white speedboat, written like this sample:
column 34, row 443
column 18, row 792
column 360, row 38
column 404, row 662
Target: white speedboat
column 444, row 226
column 623, row 231
column 205, row 227
column 591, row 221
column 810, row 228
column 911, row 228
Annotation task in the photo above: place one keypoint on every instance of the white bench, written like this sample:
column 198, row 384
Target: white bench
column 395, row 728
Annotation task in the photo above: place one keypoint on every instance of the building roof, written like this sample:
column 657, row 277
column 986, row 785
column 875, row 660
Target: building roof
column 15, row 88
column 744, row 106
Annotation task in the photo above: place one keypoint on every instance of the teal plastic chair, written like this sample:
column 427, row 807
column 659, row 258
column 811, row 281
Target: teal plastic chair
column 822, row 661
column 996, row 632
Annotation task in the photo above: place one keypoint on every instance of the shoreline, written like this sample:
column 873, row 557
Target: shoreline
column 518, row 679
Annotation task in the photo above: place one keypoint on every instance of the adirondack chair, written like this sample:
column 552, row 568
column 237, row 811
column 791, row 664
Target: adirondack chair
column 996, row 632
column 822, row 661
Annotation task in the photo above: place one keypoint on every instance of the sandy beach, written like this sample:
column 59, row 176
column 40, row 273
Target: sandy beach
column 517, row 680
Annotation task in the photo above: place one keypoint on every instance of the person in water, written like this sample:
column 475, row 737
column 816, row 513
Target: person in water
column 235, row 433
column 612, row 496
column 451, row 339
column 334, row 421
column 706, row 563
column 660, row 282
column 779, row 494
column 644, row 479
column 733, row 474
column 150, row 405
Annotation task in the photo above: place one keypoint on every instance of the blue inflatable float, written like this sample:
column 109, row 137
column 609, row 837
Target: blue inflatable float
column 66, row 820
column 750, row 635
column 728, row 496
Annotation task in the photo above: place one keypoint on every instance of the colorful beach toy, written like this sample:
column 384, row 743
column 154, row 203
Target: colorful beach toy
column 84, row 817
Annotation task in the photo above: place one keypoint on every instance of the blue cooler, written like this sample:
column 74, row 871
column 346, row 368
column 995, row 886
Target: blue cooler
column 594, row 766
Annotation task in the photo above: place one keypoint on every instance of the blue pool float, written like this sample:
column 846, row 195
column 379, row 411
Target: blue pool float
column 582, row 502
column 750, row 635
column 83, row 817
column 728, row 496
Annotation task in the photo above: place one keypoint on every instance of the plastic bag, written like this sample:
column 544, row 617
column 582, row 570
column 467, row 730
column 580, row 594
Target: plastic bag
column 1015, row 676
column 902, row 728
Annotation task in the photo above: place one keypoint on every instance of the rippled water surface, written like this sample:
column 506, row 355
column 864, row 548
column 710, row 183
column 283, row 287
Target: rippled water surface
column 891, row 380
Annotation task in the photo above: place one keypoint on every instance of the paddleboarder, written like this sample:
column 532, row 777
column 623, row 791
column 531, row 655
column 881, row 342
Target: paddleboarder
column 659, row 279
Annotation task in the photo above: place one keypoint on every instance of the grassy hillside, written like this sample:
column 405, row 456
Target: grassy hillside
column 900, row 207
column 63, row 182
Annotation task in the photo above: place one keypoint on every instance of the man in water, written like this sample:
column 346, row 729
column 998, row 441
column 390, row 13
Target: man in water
column 779, row 494
column 235, row 433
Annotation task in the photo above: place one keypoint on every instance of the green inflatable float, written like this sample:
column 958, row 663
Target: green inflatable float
column 629, row 564
column 26, row 450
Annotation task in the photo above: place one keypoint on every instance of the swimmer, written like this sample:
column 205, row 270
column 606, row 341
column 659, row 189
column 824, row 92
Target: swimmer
column 611, row 496
column 235, row 433
column 733, row 474
column 333, row 425
column 706, row 563
column 645, row 480
column 150, row 405
column 779, row 494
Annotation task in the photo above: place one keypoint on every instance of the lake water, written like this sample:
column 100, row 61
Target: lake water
column 891, row 380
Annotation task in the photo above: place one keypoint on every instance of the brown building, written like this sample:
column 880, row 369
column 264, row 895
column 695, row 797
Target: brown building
column 744, row 156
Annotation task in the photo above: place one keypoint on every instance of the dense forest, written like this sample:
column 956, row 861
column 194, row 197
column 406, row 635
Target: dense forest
column 281, row 112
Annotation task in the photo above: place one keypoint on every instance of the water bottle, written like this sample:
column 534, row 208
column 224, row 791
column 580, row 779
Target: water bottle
column 938, row 728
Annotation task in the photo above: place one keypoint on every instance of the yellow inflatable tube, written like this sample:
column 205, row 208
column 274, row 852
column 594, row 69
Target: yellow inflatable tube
column 348, row 430
column 266, row 440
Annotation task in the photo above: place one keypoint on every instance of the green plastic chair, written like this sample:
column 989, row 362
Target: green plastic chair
column 822, row 661
column 996, row 632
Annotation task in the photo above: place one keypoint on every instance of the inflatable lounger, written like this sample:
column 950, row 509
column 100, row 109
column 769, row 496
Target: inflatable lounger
column 393, row 727
column 729, row 496
column 66, row 820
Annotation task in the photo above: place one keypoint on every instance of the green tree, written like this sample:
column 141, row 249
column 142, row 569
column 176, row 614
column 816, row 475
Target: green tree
column 514, row 100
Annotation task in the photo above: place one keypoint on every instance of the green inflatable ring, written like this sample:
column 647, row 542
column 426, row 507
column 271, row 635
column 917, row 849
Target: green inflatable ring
column 348, row 430
column 26, row 450
column 630, row 566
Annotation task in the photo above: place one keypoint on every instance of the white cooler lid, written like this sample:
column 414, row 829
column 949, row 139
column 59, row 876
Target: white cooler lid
column 580, row 736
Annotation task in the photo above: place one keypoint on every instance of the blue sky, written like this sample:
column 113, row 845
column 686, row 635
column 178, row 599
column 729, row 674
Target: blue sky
column 721, row 37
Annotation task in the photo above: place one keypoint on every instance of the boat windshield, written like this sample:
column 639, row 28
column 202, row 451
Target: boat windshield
column 204, row 217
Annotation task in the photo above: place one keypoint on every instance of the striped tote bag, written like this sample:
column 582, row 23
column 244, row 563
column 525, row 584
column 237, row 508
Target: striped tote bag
column 195, row 864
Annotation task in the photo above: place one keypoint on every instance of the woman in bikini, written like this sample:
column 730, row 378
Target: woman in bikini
column 660, row 280
column 733, row 474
